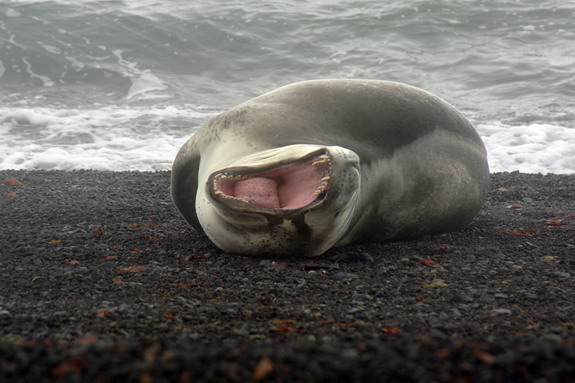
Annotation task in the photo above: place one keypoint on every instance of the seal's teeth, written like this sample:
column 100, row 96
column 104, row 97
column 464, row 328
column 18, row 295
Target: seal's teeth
column 236, row 177
column 320, row 160
column 322, row 186
column 237, row 198
column 223, row 176
column 219, row 194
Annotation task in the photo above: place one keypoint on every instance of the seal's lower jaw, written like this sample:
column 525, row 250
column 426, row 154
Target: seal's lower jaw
column 278, row 188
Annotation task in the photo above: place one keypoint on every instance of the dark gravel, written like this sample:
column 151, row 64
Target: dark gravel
column 102, row 281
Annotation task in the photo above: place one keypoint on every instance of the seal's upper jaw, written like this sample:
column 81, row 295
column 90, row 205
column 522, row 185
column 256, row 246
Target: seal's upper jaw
column 278, row 188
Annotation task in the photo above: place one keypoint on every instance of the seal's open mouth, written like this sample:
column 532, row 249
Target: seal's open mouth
column 286, row 186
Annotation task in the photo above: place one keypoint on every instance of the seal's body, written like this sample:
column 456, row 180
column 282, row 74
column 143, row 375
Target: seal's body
column 325, row 163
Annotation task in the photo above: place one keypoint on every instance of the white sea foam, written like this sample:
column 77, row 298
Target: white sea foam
column 120, row 139
column 12, row 13
column 103, row 139
column 46, row 81
column 535, row 148
column 143, row 81
column 50, row 48
column 143, row 85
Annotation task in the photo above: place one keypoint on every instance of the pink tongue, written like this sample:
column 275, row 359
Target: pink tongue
column 259, row 191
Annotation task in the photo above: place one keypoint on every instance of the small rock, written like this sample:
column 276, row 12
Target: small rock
column 500, row 312
column 366, row 257
column 265, row 263
column 436, row 283
column 345, row 277
column 562, row 274
column 557, row 339
column 349, row 353
column 444, row 316
column 123, row 309
column 300, row 282
column 240, row 331
column 278, row 265
column 356, row 309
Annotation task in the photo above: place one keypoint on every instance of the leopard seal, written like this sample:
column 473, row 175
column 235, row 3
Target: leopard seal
column 325, row 163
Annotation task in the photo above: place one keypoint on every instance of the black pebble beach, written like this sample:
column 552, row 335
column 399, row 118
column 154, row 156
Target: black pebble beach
column 101, row 280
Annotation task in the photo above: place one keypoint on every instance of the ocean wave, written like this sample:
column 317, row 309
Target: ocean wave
column 103, row 139
column 534, row 148
column 147, row 139
column 99, row 66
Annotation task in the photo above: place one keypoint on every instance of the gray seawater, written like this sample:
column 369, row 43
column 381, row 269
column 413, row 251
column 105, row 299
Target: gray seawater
column 509, row 62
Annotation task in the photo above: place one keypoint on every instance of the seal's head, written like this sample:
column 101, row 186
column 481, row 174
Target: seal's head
column 297, row 199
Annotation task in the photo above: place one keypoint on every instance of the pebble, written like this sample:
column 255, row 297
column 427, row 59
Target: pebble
column 349, row 353
column 265, row 263
column 455, row 313
column 500, row 312
column 366, row 257
column 562, row 274
column 444, row 316
column 356, row 309
column 554, row 338
column 345, row 277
